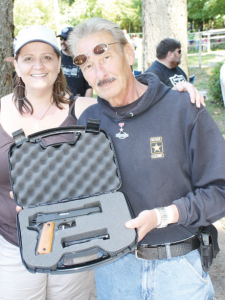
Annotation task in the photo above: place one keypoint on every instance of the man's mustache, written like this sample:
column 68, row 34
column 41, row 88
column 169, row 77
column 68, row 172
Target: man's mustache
column 101, row 82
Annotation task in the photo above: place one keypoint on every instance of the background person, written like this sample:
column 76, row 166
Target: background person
column 37, row 104
column 174, row 178
column 168, row 54
column 74, row 77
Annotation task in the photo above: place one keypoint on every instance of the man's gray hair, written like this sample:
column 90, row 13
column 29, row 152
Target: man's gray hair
column 92, row 26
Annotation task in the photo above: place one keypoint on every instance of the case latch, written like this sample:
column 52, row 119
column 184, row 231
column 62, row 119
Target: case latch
column 92, row 126
column 19, row 136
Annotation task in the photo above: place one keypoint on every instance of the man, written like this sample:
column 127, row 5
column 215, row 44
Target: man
column 168, row 53
column 74, row 77
column 172, row 161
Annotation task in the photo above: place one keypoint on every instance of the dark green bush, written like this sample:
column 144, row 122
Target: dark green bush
column 214, row 85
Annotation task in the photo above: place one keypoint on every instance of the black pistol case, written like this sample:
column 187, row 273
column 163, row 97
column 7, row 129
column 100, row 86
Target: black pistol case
column 73, row 184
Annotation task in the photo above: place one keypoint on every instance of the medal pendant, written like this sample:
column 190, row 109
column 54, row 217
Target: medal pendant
column 122, row 135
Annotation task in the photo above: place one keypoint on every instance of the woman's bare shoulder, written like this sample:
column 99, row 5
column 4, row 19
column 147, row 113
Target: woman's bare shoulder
column 82, row 103
column 6, row 104
column 6, row 101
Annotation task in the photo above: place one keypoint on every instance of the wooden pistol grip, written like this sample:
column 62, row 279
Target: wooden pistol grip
column 45, row 243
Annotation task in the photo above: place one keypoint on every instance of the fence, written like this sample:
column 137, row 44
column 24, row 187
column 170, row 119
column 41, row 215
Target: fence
column 205, row 41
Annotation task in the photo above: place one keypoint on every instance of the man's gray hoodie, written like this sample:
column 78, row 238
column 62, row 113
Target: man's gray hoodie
column 175, row 153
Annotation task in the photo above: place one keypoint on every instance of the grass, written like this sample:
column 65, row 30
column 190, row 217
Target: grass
column 205, row 59
column 202, row 77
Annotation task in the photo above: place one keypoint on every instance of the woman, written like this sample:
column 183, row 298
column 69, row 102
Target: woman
column 39, row 102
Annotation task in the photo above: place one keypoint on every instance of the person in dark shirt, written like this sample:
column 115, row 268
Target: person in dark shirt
column 168, row 53
column 172, row 161
column 74, row 77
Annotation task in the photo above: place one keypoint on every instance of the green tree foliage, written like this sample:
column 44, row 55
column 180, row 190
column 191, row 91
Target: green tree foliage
column 202, row 11
column 214, row 84
column 30, row 12
column 126, row 13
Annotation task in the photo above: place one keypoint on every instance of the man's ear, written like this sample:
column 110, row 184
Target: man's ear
column 129, row 53
column 17, row 68
column 170, row 55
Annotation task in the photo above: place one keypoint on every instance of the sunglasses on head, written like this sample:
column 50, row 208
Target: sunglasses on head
column 179, row 51
column 99, row 49
column 62, row 38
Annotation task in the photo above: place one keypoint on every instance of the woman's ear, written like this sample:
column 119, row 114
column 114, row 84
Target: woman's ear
column 129, row 53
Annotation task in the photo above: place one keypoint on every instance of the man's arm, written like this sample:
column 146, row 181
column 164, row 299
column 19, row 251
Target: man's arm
column 89, row 93
column 206, row 203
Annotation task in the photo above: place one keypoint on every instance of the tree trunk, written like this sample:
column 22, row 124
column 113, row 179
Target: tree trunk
column 163, row 19
column 6, row 46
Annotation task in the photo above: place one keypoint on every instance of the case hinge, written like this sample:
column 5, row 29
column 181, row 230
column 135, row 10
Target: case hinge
column 19, row 136
column 92, row 126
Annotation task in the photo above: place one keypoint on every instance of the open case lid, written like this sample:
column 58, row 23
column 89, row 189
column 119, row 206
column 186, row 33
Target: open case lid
column 43, row 174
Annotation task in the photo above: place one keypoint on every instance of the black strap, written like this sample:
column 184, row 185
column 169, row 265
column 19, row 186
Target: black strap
column 93, row 126
column 19, row 136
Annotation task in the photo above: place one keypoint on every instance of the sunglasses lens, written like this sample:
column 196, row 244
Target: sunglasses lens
column 80, row 60
column 100, row 49
column 63, row 39
column 179, row 51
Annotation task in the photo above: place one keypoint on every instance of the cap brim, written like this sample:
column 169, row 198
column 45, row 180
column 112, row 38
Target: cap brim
column 37, row 40
column 63, row 36
column 9, row 59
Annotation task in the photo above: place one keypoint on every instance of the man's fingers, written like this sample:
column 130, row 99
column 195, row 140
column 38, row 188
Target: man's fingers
column 191, row 90
column 11, row 194
column 141, row 233
column 132, row 223
column 179, row 87
column 200, row 100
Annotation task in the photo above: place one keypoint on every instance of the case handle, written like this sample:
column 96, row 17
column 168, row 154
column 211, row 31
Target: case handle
column 64, row 265
column 72, row 142
column 53, row 131
column 67, row 261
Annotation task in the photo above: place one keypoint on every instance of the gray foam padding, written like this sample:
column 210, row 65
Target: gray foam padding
column 49, row 175
column 111, row 220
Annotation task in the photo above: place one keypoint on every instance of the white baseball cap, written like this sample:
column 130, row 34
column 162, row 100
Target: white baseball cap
column 36, row 33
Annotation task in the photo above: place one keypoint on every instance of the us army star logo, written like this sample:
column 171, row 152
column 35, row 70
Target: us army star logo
column 156, row 145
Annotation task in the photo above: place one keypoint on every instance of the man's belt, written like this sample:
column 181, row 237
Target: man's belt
column 149, row 252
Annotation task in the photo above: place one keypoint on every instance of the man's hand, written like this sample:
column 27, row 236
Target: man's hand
column 145, row 222
column 195, row 95
column 18, row 208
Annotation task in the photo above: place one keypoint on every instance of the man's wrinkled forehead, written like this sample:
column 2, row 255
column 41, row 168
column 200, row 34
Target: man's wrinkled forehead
column 89, row 42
